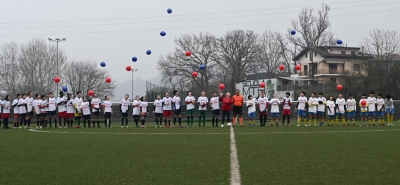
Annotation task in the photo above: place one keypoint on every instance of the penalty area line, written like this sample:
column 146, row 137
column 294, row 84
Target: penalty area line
column 123, row 133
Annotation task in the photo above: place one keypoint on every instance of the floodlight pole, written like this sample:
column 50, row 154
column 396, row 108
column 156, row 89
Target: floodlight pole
column 133, row 70
column 57, row 40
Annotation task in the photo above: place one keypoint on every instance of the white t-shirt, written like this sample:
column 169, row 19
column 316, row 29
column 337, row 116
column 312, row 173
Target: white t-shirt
column 22, row 109
column 96, row 103
column 262, row 103
column 321, row 107
column 380, row 102
column 371, row 104
column 62, row 107
column 70, row 106
column 29, row 103
column 107, row 106
column 85, row 108
column 124, row 105
column 144, row 105
column 136, row 107
column 251, row 105
column 167, row 103
column 351, row 105
column 312, row 104
column 274, row 105
column 7, row 107
column 52, row 104
column 389, row 103
column 202, row 100
column 332, row 106
column 341, row 103
column 214, row 102
column 77, row 104
column 192, row 100
column 15, row 106
column 176, row 100
column 36, row 106
column 302, row 103
column 364, row 109
column 158, row 106
column 44, row 104
column 286, row 104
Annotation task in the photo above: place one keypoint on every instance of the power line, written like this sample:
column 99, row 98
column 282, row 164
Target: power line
column 215, row 25
column 210, row 13
column 181, row 20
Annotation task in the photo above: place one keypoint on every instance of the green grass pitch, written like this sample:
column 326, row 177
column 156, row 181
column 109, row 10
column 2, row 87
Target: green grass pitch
column 277, row 155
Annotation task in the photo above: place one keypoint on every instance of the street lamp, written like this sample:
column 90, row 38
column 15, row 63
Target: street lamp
column 57, row 40
column 133, row 70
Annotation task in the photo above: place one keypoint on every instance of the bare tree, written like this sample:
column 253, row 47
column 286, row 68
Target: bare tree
column 270, row 53
column 10, row 80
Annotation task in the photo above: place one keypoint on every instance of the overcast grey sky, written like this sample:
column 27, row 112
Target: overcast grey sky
column 124, row 39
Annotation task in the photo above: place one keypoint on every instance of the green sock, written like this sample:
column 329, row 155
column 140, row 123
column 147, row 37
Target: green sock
column 188, row 120
column 199, row 120
column 204, row 121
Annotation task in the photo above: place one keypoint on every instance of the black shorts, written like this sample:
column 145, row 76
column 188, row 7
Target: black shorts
column 144, row 116
column 22, row 115
column 29, row 114
column 215, row 112
column 38, row 115
column 43, row 115
column 96, row 114
column 52, row 113
column 237, row 110
column 178, row 112
column 158, row 115
column 124, row 115
column 86, row 117
column 107, row 115
column 136, row 116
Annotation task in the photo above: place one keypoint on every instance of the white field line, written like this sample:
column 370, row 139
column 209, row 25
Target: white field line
column 235, row 172
column 321, row 132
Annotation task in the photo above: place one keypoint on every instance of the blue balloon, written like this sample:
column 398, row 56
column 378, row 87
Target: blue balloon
column 148, row 52
column 102, row 64
column 202, row 67
column 339, row 42
column 162, row 33
column 293, row 32
column 134, row 59
column 65, row 88
column 169, row 10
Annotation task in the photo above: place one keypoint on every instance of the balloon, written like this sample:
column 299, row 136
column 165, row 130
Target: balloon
column 65, row 88
column 169, row 10
column 134, row 59
column 339, row 87
column 339, row 42
column 102, row 64
column 194, row 74
column 298, row 67
column 128, row 68
column 162, row 33
column 221, row 86
column 148, row 52
column 108, row 80
column 293, row 32
column 262, row 85
column 363, row 102
column 56, row 79
column 281, row 67
column 202, row 67
column 188, row 53
column 90, row 93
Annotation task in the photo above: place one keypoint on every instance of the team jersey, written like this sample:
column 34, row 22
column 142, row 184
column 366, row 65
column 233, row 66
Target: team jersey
column 167, row 103
column 301, row 103
column 36, row 106
column 274, row 105
column 136, row 107
column 22, row 108
column 251, row 105
column 96, row 103
column 190, row 101
column 7, row 107
column 176, row 100
column 351, row 105
column 144, row 106
column 371, row 104
column 70, row 106
column 158, row 106
column 389, row 103
column 1, row 106
column 364, row 109
column 287, row 102
column 380, row 103
column 331, row 107
column 214, row 102
column 29, row 103
column 77, row 104
column 262, row 104
column 62, row 107
column 203, row 101
column 340, row 103
column 85, row 108
column 44, row 106
column 124, row 105
column 52, row 104
column 15, row 106
column 237, row 100
column 107, row 106
column 312, row 104
column 321, row 107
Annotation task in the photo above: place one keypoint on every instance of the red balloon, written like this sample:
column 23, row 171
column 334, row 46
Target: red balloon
column 188, row 53
column 339, row 87
column 281, row 67
column 56, row 79
column 364, row 102
column 194, row 74
column 221, row 86
column 108, row 80
column 90, row 93
column 262, row 85
column 298, row 67
column 128, row 68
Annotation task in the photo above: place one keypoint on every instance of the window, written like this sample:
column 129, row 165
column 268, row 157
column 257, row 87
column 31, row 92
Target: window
column 333, row 80
column 353, row 52
column 343, row 52
column 306, row 54
column 356, row 67
column 315, row 53
column 305, row 68
column 332, row 66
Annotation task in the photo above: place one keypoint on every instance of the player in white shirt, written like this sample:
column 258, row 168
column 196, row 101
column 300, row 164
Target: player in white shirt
column 70, row 110
column 124, row 109
column 95, row 102
column 203, row 102
column 287, row 103
column 321, row 108
column 62, row 108
column 29, row 111
column 44, row 107
column 107, row 112
column 341, row 109
column 372, row 107
column 52, row 109
column 36, row 110
column 262, row 102
column 389, row 109
column 78, row 112
column 364, row 109
column 274, row 102
column 380, row 107
column 144, row 106
column 6, row 111
column 351, row 106
column 136, row 110
column 214, row 104
column 22, row 110
column 251, row 110
column 331, row 105
column 177, row 104
column 16, row 111
column 312, row 109
column 85, row 108
column 190, row 106
column 301, row 107
column 167, row 110
column 158, row 111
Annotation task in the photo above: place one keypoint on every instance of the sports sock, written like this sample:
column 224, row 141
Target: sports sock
column 373, row 121
column 188, row 120
column 298, row 121
column 59, row 120
column 234, row 121
column 261, row 121
column 65, row 121
column 156, row 121
column 204, row 121
column 241, row 121
column 265, row 119
column 212, row 121
column 122, row 121
column 216, row 122
column 199, row 121
column 337, row 121
column 180, row 121
column 174, row 121
column 84, row 123
column 288, row 119
column 29, row 122
column 309, row 121
column 55, row 122
column 165, row 121
column 109, row 123
column 315, row 121
column 126, row 122
column 169, row 122
column 49, row 122
column 283, row 119
column 191, row 120
column 143, row 122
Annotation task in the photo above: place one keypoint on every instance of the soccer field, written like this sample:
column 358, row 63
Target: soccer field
column 270, row 155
